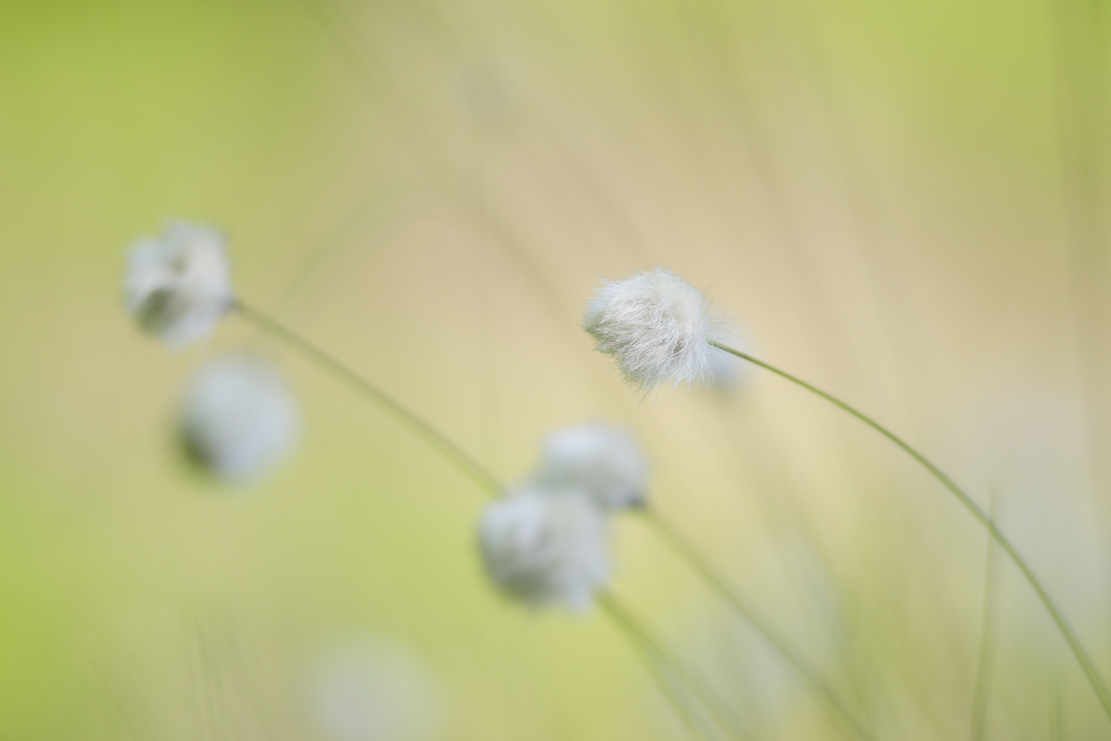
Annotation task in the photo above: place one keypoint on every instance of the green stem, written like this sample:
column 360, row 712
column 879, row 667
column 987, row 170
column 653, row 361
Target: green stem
column 694, row 557
column 1078, row 651
column 649, row 646
column 430, row 434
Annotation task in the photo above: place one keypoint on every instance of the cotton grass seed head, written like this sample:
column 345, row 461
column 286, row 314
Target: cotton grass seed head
column 545, row 546
column 605, row 461
column 178, row 285
column 237, row 418
column 656, row 325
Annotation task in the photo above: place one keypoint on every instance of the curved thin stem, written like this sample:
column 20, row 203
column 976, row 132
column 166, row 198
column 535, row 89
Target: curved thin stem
column 689, row 552
column 1078, row 651
column 648, row 645
column 430, row 434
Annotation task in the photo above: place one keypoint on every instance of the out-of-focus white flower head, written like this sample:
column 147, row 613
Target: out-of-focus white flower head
column 371, row 690
column 238, row 417
column 656, row 325
column 178, row 286
column 546, row 546
column 605, row 461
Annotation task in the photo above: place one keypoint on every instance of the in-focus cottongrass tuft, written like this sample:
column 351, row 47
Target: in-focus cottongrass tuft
column 178, row 286
column 545, row 546
column 238, row 418
column 605, row 461
column 656, row 325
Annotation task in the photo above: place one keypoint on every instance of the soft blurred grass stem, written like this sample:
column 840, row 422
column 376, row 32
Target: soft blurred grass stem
column 690, row 553
column 653, row 651
column 430, row 434
column 1078, row 650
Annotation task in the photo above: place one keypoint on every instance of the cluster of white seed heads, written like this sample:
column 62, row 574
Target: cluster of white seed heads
column 237, row 417
column 547, row 541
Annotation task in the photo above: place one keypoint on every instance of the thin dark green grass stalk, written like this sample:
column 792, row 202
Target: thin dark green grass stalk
column 468, row 465
column 987, row 637
column 1082, row 657
column 690, row 553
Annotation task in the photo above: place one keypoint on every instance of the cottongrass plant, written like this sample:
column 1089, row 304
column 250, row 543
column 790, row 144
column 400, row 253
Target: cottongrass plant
column 645, row 322
column 546, row 542
column 552, row 550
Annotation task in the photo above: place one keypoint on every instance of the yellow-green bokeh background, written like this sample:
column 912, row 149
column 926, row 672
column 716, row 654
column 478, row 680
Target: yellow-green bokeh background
column 900, row 201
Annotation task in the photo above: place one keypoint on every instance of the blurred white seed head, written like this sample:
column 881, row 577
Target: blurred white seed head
column 370, row 690
column 178, row 285
column 605, row 461
column 656, row 325
column 546, row 546
column 238, row 417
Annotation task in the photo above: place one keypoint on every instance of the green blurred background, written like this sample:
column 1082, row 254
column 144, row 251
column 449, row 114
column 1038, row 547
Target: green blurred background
column 902, row 202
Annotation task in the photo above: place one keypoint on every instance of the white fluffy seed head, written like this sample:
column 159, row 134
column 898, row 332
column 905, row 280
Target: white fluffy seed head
column 544, row 546
column 656, row 325
column 178, row 285
column 605, row 461
column 237, row 418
